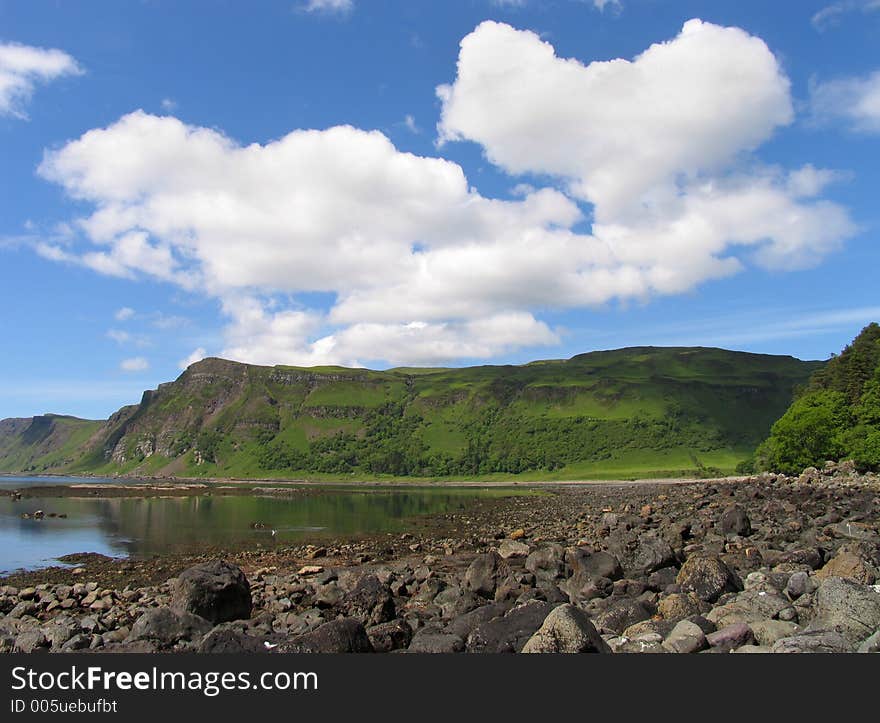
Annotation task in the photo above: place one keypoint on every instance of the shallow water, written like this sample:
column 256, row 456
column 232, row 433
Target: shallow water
column 131, row 526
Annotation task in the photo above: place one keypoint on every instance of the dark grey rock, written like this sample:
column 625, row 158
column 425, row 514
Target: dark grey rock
column 216, row 591
column 547, row 563
column 620, row 615
column 432, row 640
column 484, row 572
column 800, row 583
column 23, row 609
column 642, row 554
column 168, row 627
column 455, row 601
column 223, row 639
column 464, row 624
column 389, row 636
column 80, row 641
column 31, row 641
column 370, row 601
column 708, row 577
column 735, row 521
column 508, row 634
column 661, row 579
column 345, row 635
column 589, row 564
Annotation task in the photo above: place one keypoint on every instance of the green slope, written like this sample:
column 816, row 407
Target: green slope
column 42, row 443
column 631, row 412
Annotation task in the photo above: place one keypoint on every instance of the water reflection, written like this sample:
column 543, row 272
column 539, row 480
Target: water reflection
column 148, row 526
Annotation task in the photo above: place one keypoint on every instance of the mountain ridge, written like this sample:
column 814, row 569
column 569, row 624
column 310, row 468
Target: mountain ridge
column 638, row 410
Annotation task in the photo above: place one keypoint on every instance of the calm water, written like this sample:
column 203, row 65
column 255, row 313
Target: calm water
column 147, row 526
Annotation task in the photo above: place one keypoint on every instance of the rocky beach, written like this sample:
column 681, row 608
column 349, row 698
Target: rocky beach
column 767, row 563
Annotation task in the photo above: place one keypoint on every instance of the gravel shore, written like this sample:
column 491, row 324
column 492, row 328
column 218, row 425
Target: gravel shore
column 756, row 564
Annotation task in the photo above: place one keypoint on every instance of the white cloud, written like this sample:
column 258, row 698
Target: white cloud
column 809, row 181
column 600, row 5
column 124, row 314
column 616, row 129
column 423, row 267
column 855, row 101
column 831, row 14
column 329, row 6
column 659, row 145
column 168, row 104
column 410, row 122
column 135, row 364
column 168, row 322
column 22, row 67
column 262, row 337
column 119, row 336
column 196, row 355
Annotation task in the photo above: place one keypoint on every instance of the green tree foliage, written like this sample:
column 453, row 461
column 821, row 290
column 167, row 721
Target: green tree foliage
column 497, row 441
column 837, row 416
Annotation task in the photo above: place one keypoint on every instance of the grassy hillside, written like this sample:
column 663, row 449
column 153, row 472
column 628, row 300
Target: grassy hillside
column 46, row 442
column 631, row 412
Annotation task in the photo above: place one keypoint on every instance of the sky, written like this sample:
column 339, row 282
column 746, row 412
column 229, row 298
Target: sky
column 378, row 183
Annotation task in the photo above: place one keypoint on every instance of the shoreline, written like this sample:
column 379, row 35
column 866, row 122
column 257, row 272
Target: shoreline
column 135, row 486
column 712, row 567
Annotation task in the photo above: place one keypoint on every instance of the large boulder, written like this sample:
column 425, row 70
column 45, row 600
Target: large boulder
column 641, row 554
column 819, row 641
column 751, row 606
column 31, row 641
column 217, row 591
column 731, row 636
column 484, row 572
column 707, row 577
column 566, row 630
column 547, row 563
column 167, row 627
column 680, row 605
column 454, row 601
column 847, row 563
column 393, row 635
column 225, row 639
column 871, row 644
column 509, row 634
column 590, row 565
column 851, row 609
column 433, row 640
column 620, row 615
column 370, row 601
column 344, row 635
column 512, row 549
column 685, row 637
column 735, row 521
column 464, row 624
column 767, row 632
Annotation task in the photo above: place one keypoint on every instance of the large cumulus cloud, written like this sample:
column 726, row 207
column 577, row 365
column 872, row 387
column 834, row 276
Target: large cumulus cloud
column 647, row 183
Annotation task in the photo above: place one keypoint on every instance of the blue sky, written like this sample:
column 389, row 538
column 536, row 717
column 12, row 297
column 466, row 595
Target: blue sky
column 385, row 183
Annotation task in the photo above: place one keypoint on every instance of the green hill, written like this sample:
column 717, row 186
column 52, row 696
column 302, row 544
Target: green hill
column 836, row 416
column 626, row 413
